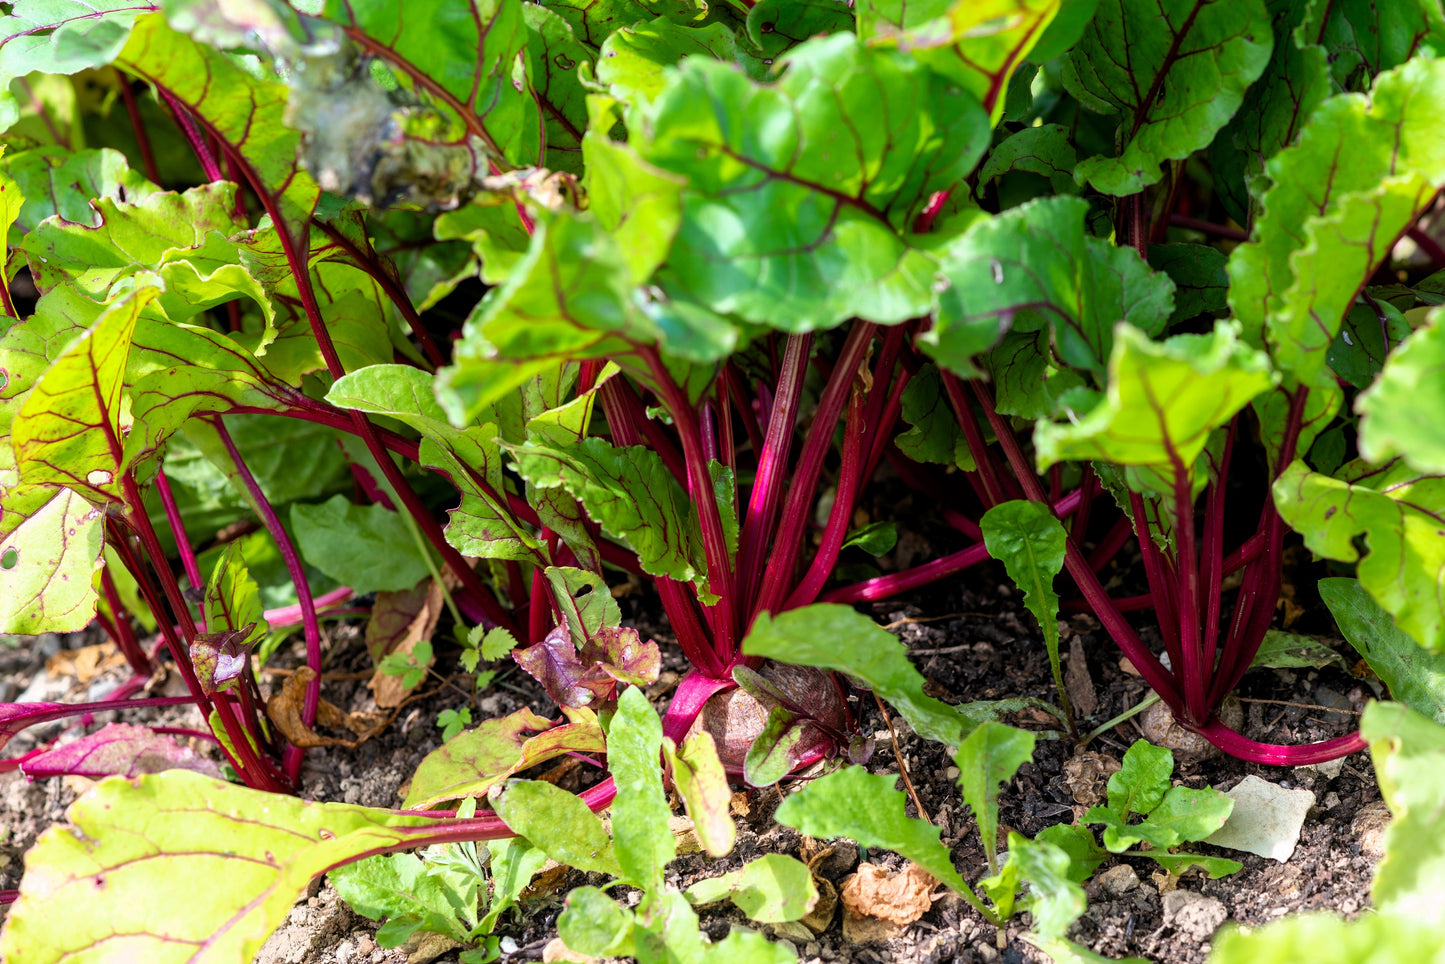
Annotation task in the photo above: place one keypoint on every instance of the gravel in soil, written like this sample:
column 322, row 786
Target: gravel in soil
column 971, row 643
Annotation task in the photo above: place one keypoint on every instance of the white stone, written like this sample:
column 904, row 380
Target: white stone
column 1266, row 819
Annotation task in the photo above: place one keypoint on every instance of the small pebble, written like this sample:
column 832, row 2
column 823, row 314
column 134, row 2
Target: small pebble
column 951, row 773
column 508, row 945
column 344, row 952
column 1118, row 881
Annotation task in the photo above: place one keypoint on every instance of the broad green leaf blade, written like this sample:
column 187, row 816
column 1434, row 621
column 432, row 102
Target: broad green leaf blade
column 241, row 856
column 1189, row 815
column 57, row 181
column 1174, row 71
column 776, row 26
column 698, row 775
column 68, row 431
column 1412, row 382
column 1028, row 382
column 1416, row 676
column 1162, row 402
column 232, row 600
column 554, row 58
column 771, row 889
column 635, row 60
column 1326, row 939
column 569, row 297
column 640, row 813
column 47, row 567
column 1325, row 226
column 11, row 203
column 461, row 59
column 365, row 547
column 629, row 492
column 559, row 823
column 594, row 924
column 398, row 887
column 1409, row 756
column 1044, row 150
column 796, row 193
column 1085, row 854
column 1029, row 540
column 1282, row 650
column 1276, row 107
column 978, row 45
column 639, row 205
column 1033, row 267
column 64, row 36
column 1142, row 781
column 1201, row 284
column 1055, row 901
column 1398, row 510
column 834, row 637
column 474, row 761
column 866, row 808
column 988, row 759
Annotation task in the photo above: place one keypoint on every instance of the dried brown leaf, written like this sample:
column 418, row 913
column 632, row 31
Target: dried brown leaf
column 900, row 898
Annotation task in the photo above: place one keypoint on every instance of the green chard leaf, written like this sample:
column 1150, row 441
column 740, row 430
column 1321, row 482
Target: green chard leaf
column 700, row 780
column 366, row 547
column 834, row 637
column 47, row 566
column 554, row 54
column 977, row 45
column 64, row 36
column 1408, row 751
column 800, row 229
column 559, row 823
column 1323, row 938
column 1398, row 510
column 1325, row 226
column 1162, row 403
column 635, row 60
column 934, row 435
column 1185, row 72
column 1044, row 150
column 1035, row 267
column 1412, row 382
column 866, row 808
column 1055, row 900
column 242, row 856
column 594, row 924
column 1416, row 676
column 776, row 26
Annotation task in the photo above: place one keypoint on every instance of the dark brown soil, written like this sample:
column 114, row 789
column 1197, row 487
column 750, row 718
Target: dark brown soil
column 972, row 643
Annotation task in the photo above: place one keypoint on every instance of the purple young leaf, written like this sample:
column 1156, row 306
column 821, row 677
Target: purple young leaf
column 621, row 655
column 15, row 717
column 122, row 749
column 555, row 664
column 220, row 658
column 572, row 678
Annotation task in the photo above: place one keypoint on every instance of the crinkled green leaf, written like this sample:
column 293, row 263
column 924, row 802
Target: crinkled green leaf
column 366, row 547
column 975, row 44
column 12, row 200
column 475, row 760
column 1282, row 650
column 1272, row 409
column 595, row 20
column 987, row 759
column 232, row 598
column 630, row 492
column 398, row 888
column 1141, row 782
column 834, row 637
column 64, row 36
column 1371, row 331
column 1044, row 150
column 1412, row 383
column 1163, row 401
column 1416, row 676
column 559, row 823
column 1029, row 540
column 1055, row 901
column 68, row 431
column 1174, row 71
column 1326, row 225
column 1027, row 380
column 1035, row 266
column 635, row 59
column 248, row 113
column 466, row 60
column 1398, row 510
column 1365, row 39
column 1183, row 814
column 242, row 857
column 771, row 889
column 796, row 193
column 1276, row 107
column 47, row 565
column 698, row 776
column 866, row 808
column 776, row 26
column 1408, row 751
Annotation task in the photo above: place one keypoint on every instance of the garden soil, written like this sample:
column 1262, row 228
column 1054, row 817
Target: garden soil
column 972, row 640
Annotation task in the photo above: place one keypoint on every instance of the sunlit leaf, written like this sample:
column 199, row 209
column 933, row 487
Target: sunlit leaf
column 47, row 567
column 771, row 889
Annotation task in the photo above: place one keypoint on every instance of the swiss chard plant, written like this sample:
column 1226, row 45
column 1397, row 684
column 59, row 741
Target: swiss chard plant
column 458, row 316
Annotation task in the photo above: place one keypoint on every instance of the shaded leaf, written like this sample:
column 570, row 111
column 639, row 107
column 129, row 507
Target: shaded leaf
column 593, row 924
column 1055, row 900
column 698, row 776
column 987, row 759
column 1029, row 540
column 1175, row 72
column 1416, row 676
column 365, row 547
column 1412, row 382
column 1044, row 150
